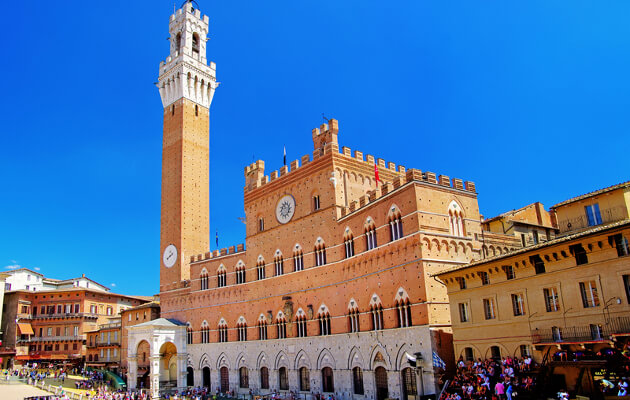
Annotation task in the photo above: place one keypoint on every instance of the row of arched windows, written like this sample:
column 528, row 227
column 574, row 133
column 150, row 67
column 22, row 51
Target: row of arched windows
column 373, row 316
column 319, row 251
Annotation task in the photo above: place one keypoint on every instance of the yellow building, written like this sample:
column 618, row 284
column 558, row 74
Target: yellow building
column 565, row 301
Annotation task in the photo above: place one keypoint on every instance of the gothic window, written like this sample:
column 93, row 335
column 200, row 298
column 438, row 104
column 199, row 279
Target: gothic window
column 305, row 384
column 395, row 224
column 298, row 259
column 242, row 331
column 370, row 234
column 348, row 241
column 320, row 253
column 353, row 317
column 195, row 43
column 221, row 277
column 260, row 268
column 205, row 332
column 178, row 42
column 281, row 326
column 328, row 384
column 262, row 328
column 204, row 279
column 403, row 313
column 278, row 263
column 301, row 323
column 376, row 312
column 324, row 322
column 223, row 331
column 240, row 272
column 456, row 219
column 189, row 334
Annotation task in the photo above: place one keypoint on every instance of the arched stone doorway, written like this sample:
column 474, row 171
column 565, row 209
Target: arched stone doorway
column 190, row 379
column 168, row 361
column 410, row 389
column 143, row 373
column 224, row 375
column 380, row 377
column 205, row 375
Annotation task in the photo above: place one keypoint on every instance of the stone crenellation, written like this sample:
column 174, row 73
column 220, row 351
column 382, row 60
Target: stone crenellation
column 239, row 248
column 325, row 140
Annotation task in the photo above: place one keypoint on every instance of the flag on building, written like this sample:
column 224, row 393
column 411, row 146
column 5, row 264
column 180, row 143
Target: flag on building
column 284, row 159
column 438, row 362
column 217, row 238
column 376, row 177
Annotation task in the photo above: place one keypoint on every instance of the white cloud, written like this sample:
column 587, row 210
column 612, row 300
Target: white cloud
column 36, row 268
column 14, row 266
column 112, row 284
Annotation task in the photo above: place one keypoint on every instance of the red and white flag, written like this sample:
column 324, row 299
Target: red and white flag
column 376, row 177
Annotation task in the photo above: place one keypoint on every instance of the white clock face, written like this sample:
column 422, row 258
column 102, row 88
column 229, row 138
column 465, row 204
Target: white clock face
column 285, row 209
column 170, row 256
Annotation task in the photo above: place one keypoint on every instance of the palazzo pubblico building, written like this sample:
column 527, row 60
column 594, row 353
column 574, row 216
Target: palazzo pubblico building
column 332, row 291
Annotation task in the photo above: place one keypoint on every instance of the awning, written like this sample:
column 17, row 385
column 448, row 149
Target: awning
column 25, row 329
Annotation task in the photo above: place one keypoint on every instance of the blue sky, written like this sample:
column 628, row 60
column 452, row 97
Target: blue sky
column 527, row 99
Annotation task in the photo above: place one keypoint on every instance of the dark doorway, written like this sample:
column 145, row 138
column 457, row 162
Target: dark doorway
column 225, row 380
column 206, row 377
column 190, row 378
column 380, row 375
column 410, row 390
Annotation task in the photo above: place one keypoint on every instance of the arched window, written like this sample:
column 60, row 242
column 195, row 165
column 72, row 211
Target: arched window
column 456, row 219
column 395, row 224
column 357, row 380
column 195, row 43
column 260, row 268
column 301, row 323
column 298, row 258
column 403, row 313
column 221, row 276
column 281, row 325
column 223, row 331
column 90, row 357
column 283, row 380
column 305, row 384
column 410, row 389
column 240, row 272
column 376, row 312
column 264, row 378
column 468, row 354
column 178, row 42
column 262, row 327
column 243, row 378
column 328, row 384
column 204, row 279
column 189, row 333
column 348, row 240
column 320, row 252
column 323, row 318
column 278, row 263
column 261, row 224
column 205, row 332
column 241, row 327
column 353, row 317
column 370, row 234
column 316, row 204
column 495, row 351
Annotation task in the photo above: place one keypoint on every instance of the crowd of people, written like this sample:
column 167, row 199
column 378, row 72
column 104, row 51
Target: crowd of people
column 491, row 379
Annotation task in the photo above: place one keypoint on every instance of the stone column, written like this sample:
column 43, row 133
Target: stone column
column 132, row 371
column 181, row 370
column 155, row 376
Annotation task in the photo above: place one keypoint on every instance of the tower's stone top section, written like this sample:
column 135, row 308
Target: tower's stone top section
column 185, row 73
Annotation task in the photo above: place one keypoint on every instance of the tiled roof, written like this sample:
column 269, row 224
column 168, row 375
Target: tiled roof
column 538, row 246
column 600, row 191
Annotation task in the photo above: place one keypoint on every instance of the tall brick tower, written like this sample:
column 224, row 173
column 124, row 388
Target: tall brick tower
column 186, row 83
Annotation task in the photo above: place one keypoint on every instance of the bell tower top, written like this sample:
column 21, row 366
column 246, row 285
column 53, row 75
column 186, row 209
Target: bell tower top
column 185, row 73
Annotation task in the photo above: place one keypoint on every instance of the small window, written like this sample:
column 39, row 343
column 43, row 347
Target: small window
column 204, row 281
column 395, row 229
column 260, row 269
column 261, row 224
column 195, row 43
column 588, row 290
column 242, row 332
column 403, row 313
column 301, row 326
column 279, row 265
column 579, row 253
column 173, row 109
column 298, row 260
column 485, row 278
column 538, row 263
column 509, row 272
column 353, row 321
column 324, row 325
column 523, row 240
column 518, row 304
column 626, row 285
column 281, row 327
column 593, row 217
column 240, row 274
column 262, row 330
column 320, row 255
column 551, row 299
column 196, row 110
column 223, row 333
column 376, row 312
column 596, row 332
column 463, row 312
column 189, row 334
column 462, row 283
column 370, row 238
column 489, row 308
column 315, row 203
column 221, row 278
column 536, row 237
column 349, row 246
column 620, row 243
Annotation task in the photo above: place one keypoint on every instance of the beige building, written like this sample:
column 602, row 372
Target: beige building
column 564, row 301
column 531, row 224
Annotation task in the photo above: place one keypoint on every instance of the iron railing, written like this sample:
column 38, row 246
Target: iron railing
column 608, row 215
column 584, row 333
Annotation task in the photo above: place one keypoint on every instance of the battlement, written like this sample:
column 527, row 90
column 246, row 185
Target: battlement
column 406, row 177
column 326, row 136
column 239, row 248
column 188, row 7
